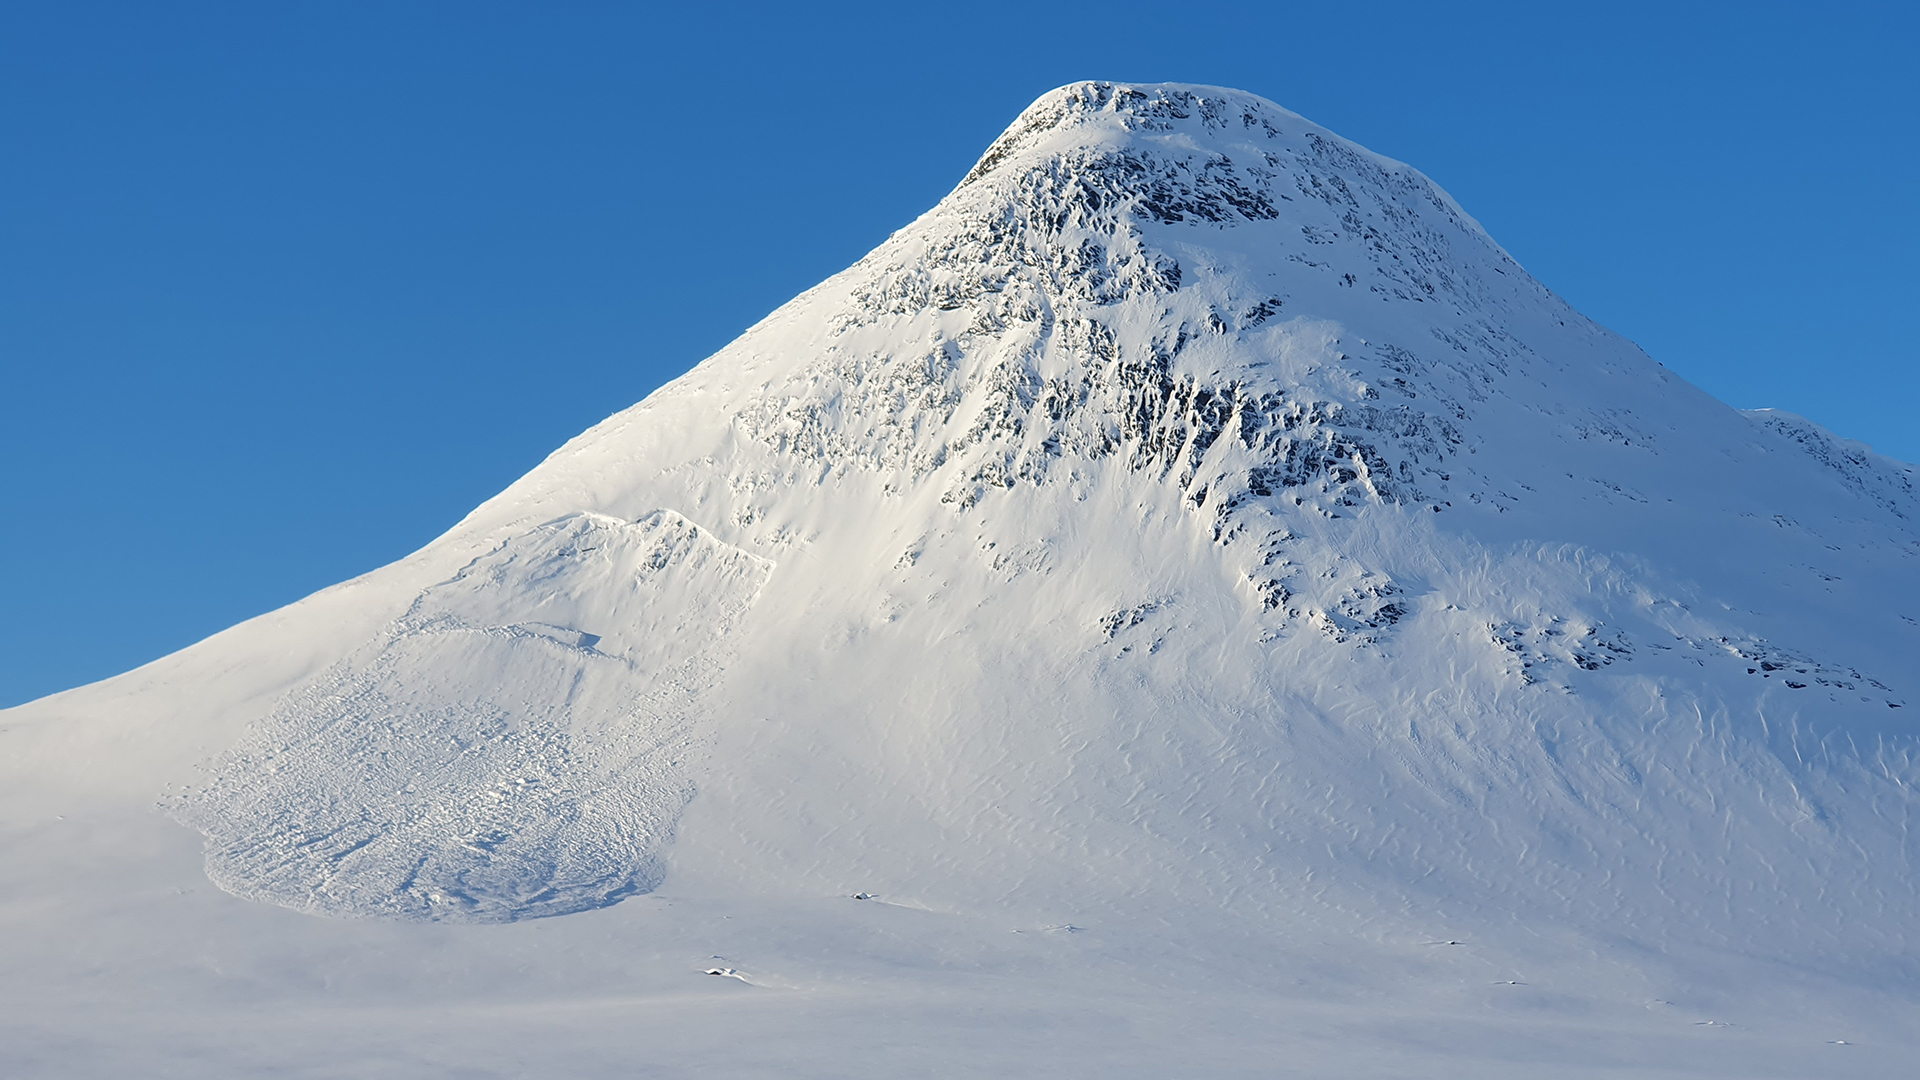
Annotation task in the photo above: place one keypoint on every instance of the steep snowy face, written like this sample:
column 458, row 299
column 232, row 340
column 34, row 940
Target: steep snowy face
column 1192, row 499
column 1197, row 288
column 1160, row 280
column 1136, row 273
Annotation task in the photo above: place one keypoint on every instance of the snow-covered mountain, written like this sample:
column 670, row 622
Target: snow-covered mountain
column 1194, row 536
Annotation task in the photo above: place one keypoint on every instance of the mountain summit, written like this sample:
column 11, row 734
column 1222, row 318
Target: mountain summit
column 1194, row 521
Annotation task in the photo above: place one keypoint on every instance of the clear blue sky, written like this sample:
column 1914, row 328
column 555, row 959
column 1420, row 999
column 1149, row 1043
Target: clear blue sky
column 286, row 289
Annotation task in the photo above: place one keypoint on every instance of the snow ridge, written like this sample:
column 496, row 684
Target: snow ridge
column 1893, row 484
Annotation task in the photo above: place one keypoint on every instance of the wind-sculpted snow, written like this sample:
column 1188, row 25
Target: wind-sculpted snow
column 515, row 746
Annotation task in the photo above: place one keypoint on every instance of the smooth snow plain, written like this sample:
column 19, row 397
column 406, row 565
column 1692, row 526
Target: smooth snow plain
column 1189, row 604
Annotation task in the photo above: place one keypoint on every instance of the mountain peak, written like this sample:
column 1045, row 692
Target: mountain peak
column 1173, row 380
column 1219, row 130
column 1193, row 520
column 1086, row 113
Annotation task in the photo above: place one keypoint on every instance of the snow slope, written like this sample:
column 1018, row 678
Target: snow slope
column 1215, row 606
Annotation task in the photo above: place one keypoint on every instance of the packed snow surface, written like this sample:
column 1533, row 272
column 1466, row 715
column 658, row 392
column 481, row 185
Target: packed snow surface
column 1188, row 602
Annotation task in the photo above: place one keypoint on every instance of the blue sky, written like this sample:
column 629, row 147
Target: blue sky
column 286, row 289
